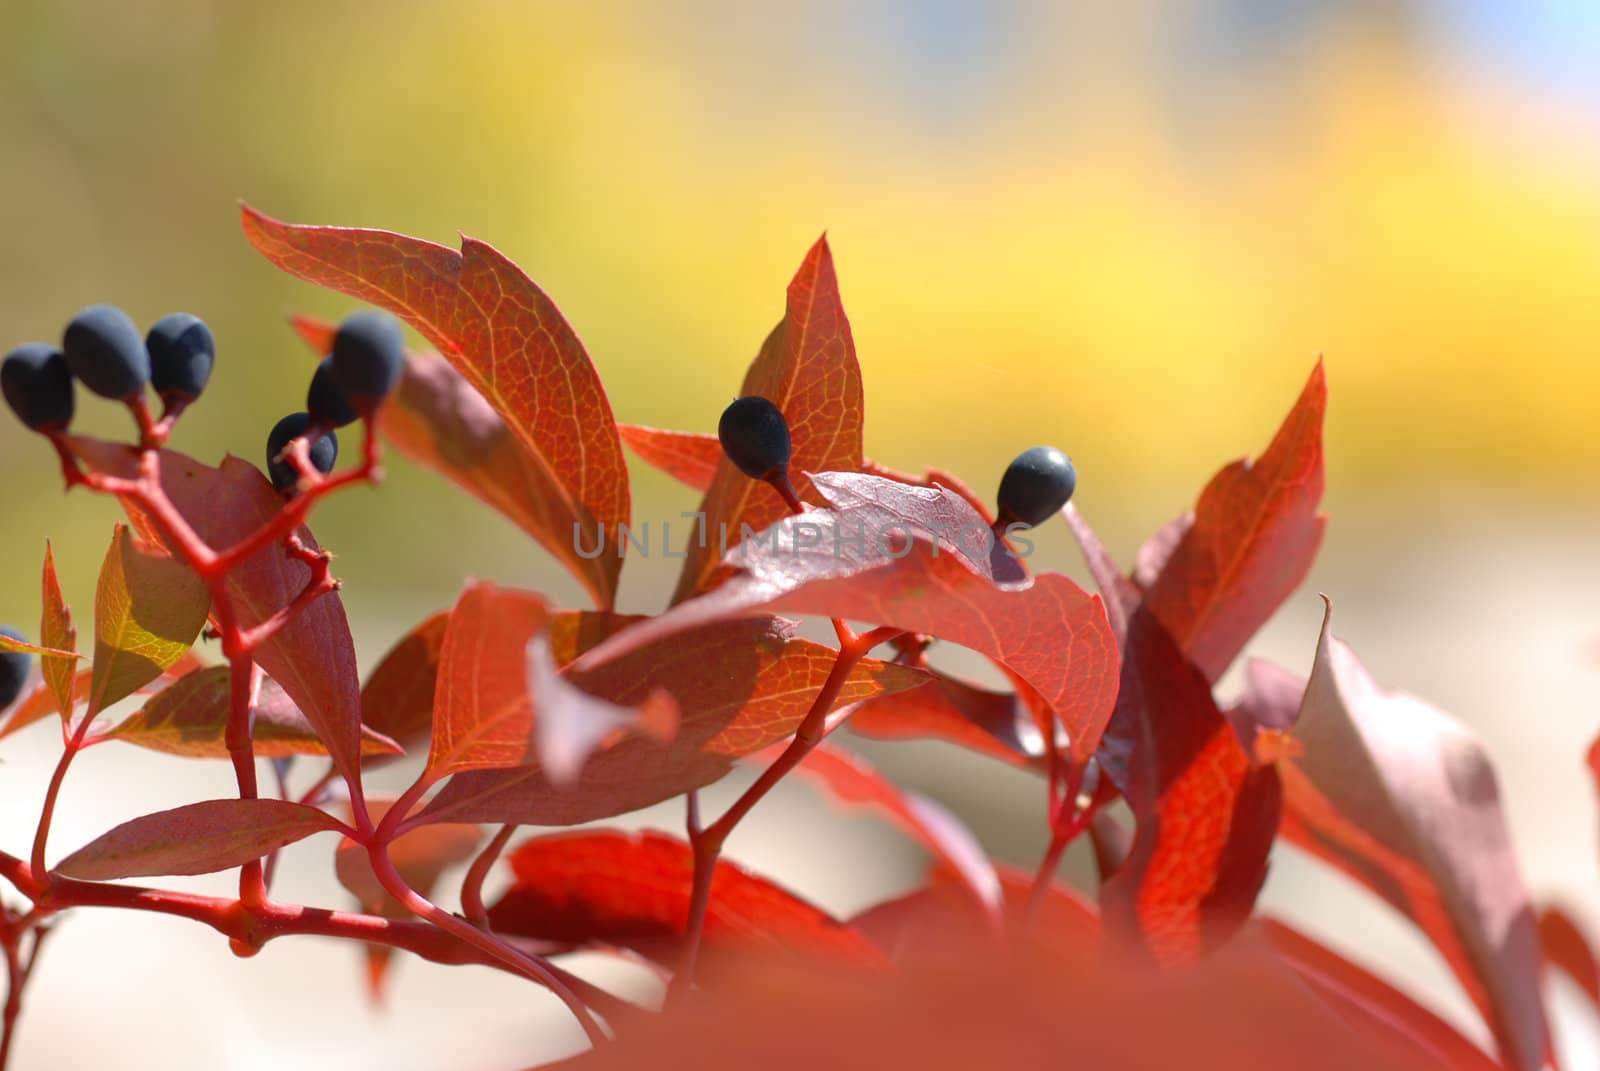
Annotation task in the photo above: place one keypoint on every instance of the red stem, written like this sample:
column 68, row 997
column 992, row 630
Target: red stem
column 472, row 885
column 707, row 843
column 530, row 966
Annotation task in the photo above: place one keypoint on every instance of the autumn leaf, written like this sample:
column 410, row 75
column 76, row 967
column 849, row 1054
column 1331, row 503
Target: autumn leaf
column 875, row 556
column 198, row 838
column 632, row 891
column 1255, row 533
column 507, row 338
column 1403, row 799
column 849, row 780
column 191, row 719
column 1420, row 1038
column 946, row 708
column 807, row 368
column 312, row 656
column 148, row 609
column 1206, row 818
column 741, row 685
column 689, row 457
column 57, row 630
column 397, row 700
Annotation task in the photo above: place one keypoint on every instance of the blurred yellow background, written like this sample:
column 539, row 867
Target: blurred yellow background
column 1127, row 229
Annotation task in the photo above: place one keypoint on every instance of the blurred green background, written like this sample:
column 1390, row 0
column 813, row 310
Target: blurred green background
column 1127, row 229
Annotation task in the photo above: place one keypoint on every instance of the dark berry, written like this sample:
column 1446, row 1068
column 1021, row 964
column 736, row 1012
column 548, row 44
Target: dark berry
column 327, row 404
column 1036, row 486
column 754, row 436
column 285, row 477
column 105, row 352
column 38, row 386
column 369, row 352
column 182, row 352
column 14, row 667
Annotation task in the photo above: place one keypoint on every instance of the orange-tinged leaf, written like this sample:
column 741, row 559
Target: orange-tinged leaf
column 632, row 891
column 191, row 719
column 9, row 644
column 856, row 560
column 689, row 457
column 397, row 699
column 962, row 1004
column 198, row 838
column 991, row 723
column 851, row 781
column 1567, row 949
column 313, row 656
column 572, row 724
column 741, row 685
column 1206, row 818
column 692, row 458
column 148, row 609
column 499, row 330
column 1419, row 1036
column 483, row 714
column 1403, row 799
column 57, row 630
column 436, row 418
column 807, row 368
column 1256, row 531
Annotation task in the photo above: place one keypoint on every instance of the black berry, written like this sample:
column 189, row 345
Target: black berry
column 38, row 386
column 105, row 352
column 754, row 436
column 327, row 404
column 1036, row 486
column 369, row 352
column 182, row 352
column 14, row 667
column 324, row 451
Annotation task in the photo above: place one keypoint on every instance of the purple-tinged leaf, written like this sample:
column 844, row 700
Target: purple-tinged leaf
column 199, row 838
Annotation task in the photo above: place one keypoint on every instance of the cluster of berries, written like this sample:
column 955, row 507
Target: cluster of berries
column 101, row 349
column 1036, row 485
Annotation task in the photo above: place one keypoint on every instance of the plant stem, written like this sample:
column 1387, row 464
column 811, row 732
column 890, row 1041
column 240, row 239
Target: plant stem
column 707, row 843
column 472, row 885
column 533, row 967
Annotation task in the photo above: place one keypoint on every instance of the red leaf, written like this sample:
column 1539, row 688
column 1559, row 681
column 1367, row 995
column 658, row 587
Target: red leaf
column 1206, row 818
column 961, row 1005
column 198, row 838
column 499, row 330
column 572, row 724
column 807, row 368
column 850, row 780
column 483, row 716
column 688, row 457
column 313, row 656
column 437, row 419
column 1256, row 531
column 191, row 719
column 1403, row 799
column 990, row 723
column 632, row 891
column 741, row 685
column 1419, row 1036
column 1566, row 948
column 1048, row 632
column 397, row 700
column 1120, row 595
column 57, row 630
column 41, row 702
column 692, row 458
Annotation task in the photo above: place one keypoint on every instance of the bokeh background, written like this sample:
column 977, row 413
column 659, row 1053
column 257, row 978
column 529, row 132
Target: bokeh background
column 1125, row 229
